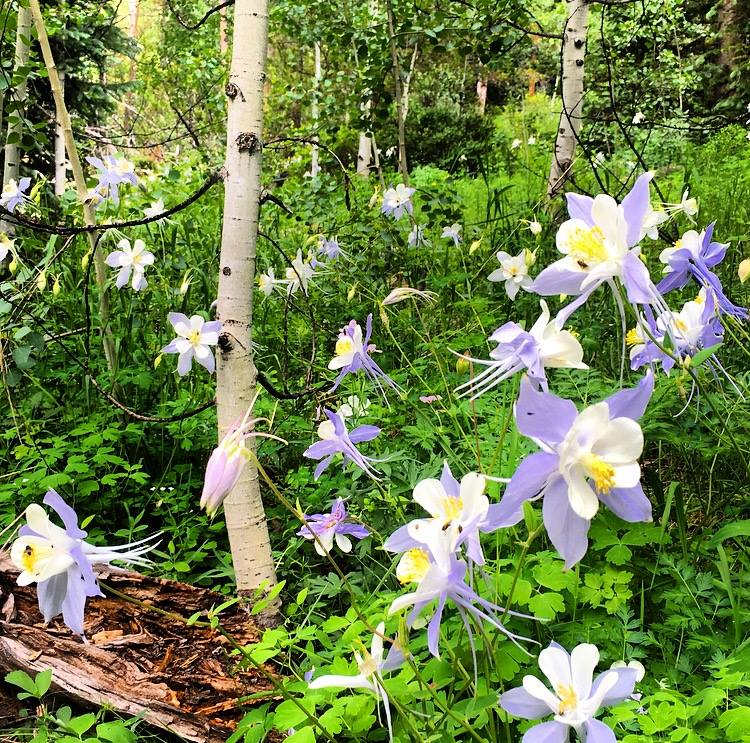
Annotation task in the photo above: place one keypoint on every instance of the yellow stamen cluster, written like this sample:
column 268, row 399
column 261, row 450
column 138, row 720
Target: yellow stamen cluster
column 413, row 566
column 368, row 666
column 452, row 508
column 344, row 345
column 194, row 336
column 29, row 558
column 633, row 338
column 602, row 473
column 586, row 246
column 568, row 698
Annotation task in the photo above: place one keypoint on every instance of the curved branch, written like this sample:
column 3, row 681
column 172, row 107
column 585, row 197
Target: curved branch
column 207, row 15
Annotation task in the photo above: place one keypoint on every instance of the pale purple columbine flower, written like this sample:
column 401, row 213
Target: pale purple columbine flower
column 228, row 459
column 544, row 346
column 131, row 260
column 514, row 271
column 335, row 439
column 685, row 333
column 156, row 209
column 575, row 699
column 60, row 562
column 353, row 353
column 397, row 201
column 195, row 336
column 417, row 237
column 599, row 244
column 330, row 527
column 693, row 256
column 299, row 274
column 441, row 576
column 330, row 247
column 587, row 458
column 14, row 193
column 452, row 232
column 113, row 171
column 371, row 667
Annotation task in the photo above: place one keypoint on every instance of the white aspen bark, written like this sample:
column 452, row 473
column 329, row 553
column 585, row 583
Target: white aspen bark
column 573, row 55
column 236, row 373
column 482, row 94
column 223, row 28
column 315, row 158
column 89, row 216
column 407, row 84
column 15, row 117
column 401, row 119
column 60, row 162
column 364, row 155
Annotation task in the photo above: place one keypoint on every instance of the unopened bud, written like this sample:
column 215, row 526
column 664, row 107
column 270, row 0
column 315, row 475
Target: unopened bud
column 56, row 288
column 462, row 365
column 475, row 246
column 535, row 228
column 157, row 360
column 41, row 281
column 13, row 266
column 383, row 316
column 744, row 270
column 350, row 294
column 85, row 260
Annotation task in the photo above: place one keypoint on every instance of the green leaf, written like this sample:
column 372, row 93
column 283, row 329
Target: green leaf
column 736, row 723
column 22, row 680
column 305, row 735
column 546, row 605
column 731, row 531
column 701, row 356
column 79, row 725
column 619, row 554
column 116, row 732
column 289, row 715
column 43, row 681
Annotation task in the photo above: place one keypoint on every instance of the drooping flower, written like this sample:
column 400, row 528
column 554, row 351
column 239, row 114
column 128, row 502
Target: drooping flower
column 599, row 244
column 353, row 353
column 113, row 171
column 6, row 246
column 515, row 144
column 417, row 237
column 194, row 338
column 330, row 247
column 575, row 699
column 397, row 200
column 335, row 439
column 638, row 117
column 129, row 260
column 299, row 274
column 14, row 193
column 405, row 292
column 535, row 228
column 330, row 527
column 156, row 208
column 267, row 282
column 354, row 407
column 452, row 232
column 587, row 458
column 514, row 271
column 60, row 562
column 693, row 256
column 228, row 459
column 371, row 667
column 544, row 346
column 681, row 334
column 743, row 271
column 441, row 576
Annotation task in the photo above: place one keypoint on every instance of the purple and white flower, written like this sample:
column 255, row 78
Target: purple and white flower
column 600, row 245
column 693, row 256
column 299, row 274
column 335, row 439
column 267, row 282
column 586, row 459
column 452, row 232
column 417, row 237
column 354, row 353
column 544, row 346
column 6, row 246
column 14, row 194
column 514, row 271
column 405, row 292
column 195, row 336
column 131, row 260
column 330, row 527
column 371, row 667
column 61, row 563
column 575, row 698
column 113, row 171
column 330, row 247
column 156, row 208
column 397, row 201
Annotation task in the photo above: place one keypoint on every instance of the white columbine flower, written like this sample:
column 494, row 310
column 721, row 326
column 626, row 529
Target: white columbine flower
column 453, row 232
column 405, row 292
column 531, row 140
column 397, row 200
column 6, row 246
column 194, row 338
column 639, row 117
column 156, row 208
column 131, row 260
column 535, row 228
column 416, row 236
column 299, row 274
column 268, row 282
column 514, row 271
column 515, row 144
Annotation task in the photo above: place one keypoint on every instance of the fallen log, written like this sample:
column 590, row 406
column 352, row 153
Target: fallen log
column 137, row 661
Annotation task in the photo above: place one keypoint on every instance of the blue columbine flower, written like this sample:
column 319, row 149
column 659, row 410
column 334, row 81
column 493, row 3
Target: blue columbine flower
column 330, row 527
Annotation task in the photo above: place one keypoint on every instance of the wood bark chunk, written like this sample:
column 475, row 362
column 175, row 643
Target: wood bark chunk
column 137, row 661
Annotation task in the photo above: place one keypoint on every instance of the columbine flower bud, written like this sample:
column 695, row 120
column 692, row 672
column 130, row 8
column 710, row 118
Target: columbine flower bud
column 41, row 281
column 535, row 227
column 186, row 281
column 744, row 270
column 157, row 360
column 13, row 266
column 350, row 294
column 85, row 260
column 56, row 288
column 462, row 365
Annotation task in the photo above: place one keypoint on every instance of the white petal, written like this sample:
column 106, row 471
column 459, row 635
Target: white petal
column 555, row 665
column 539, row 691
column 343, row 543
column 431, row 495
column 581, row 496
column 621, row 441
column 583, row 661
column 627, row 475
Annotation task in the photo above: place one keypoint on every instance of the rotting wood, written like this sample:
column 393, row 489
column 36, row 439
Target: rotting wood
column 137, row 661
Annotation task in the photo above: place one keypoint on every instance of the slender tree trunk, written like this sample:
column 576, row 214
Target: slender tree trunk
column 223, row 30
column 18, row 98
column 236, row 373
column 482, row 94
column 407, row 84
column 402, row 164
column 315, row 164
column 572, row 54
column 63, row 118
column 60, row 162
column 364, row 155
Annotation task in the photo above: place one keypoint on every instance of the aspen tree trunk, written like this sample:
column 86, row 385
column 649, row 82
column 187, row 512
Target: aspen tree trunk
column 573, row 54
column 60, row 163
column 89, row 217
column 223, row 29
column 402, row 164
column 236, row 373
column 364, row 155
column 315, row 164
column 407, row 84
column 18, row 97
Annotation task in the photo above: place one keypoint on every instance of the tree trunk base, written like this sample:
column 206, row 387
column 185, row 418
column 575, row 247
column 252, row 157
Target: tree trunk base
column 137, row 660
